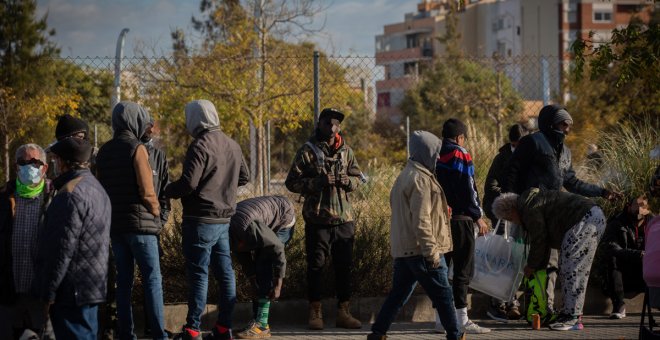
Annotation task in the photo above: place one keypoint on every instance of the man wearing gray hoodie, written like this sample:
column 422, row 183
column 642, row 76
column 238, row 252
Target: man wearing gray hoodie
column 419, row 237
column 213, row 170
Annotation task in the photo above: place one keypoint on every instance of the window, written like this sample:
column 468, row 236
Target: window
column 412, row 40
column 384, row 99
column 602, row 12
column 410, row 68
column 571, row 12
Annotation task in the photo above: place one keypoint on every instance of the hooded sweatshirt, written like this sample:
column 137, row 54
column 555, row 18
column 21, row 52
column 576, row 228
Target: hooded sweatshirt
column 420, row 214
column 213, row 170
column 455, row 172
column 542, row 160
column 122, row 166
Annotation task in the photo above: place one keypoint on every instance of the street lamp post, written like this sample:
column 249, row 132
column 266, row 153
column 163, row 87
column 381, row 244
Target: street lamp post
column 119, row 53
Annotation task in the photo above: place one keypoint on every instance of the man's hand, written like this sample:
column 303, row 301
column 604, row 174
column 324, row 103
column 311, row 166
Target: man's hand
column 327, row 180
column 434, row 259
column 344, row 180
column 277, row 289
column 529, row 272
column 612, row 195
column 483, row 227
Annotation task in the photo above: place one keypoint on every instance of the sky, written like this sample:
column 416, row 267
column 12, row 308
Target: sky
column 90, row 28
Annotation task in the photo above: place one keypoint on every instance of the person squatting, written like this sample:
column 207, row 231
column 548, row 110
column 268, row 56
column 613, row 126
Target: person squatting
column 62, row 238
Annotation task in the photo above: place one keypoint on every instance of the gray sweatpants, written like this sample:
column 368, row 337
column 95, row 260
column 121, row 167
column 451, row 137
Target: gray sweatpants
column 576, row 255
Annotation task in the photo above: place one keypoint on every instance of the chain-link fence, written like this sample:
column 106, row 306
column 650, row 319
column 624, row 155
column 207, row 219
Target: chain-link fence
column 268, row 105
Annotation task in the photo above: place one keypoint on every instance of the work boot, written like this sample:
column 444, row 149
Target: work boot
column 315, row 316
column 344, row 317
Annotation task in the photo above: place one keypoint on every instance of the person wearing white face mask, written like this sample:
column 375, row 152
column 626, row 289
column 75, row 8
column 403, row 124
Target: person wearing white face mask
column 23, row 204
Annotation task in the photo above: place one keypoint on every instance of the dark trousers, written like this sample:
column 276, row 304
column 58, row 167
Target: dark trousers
column 408, row 271
column 321, row 241
column 624, row 275
column 462, row 257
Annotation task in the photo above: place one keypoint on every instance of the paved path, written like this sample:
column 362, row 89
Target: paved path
column 595, row 327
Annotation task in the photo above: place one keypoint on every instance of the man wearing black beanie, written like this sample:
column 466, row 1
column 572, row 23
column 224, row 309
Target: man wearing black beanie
column 70, row 126
column 455, row 172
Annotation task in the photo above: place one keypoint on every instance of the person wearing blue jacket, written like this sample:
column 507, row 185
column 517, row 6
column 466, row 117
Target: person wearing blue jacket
column 71, row 266
column 455, row 172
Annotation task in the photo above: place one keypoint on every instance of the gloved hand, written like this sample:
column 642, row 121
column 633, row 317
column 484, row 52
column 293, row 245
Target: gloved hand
column 434, row 260
column 327, row 180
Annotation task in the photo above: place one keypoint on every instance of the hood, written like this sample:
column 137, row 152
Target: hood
column 425, row 148
column 201, row 116
column 130, row 117
column 551, row 115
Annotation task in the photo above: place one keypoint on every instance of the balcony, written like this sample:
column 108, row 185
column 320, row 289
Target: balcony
column 408, row 54
column 395, row 84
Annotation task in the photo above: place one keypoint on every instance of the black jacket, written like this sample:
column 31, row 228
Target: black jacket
column 253, row 227
column 455, row 173
column 72, row 262
column 7, row 213
column 623, row 238
column 212, row 172
column 536, row 164
column 495, row 179
column 160, row 168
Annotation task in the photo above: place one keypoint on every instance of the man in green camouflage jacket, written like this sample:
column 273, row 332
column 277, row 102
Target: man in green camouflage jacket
column 324, row 172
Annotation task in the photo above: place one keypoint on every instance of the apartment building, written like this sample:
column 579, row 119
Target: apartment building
column 532, row 37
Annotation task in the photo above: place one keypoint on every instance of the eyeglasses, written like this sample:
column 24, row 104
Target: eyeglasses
column 33, row 161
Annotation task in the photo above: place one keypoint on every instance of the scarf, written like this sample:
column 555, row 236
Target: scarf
column 27, row 191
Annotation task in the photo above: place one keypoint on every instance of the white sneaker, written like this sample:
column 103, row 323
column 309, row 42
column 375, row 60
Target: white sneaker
column 472, row 328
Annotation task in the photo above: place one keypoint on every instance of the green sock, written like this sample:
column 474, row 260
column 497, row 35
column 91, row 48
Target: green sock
column 263, row 305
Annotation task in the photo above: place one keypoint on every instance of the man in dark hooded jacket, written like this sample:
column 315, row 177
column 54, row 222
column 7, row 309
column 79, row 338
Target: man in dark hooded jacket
column 213, row 170
column 542, row 160
column 124, row 170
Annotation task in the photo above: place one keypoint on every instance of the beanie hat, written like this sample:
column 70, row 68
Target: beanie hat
column 551, row 115
column 72, row 149
column 68, row 125
column 453, row 127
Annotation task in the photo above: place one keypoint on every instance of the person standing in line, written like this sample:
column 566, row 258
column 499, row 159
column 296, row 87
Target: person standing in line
column 124, row 170
column 455, row 173
column 71, row 266
column 325, row 172
column 213, row 170
column 23, row 205
column 419, row 236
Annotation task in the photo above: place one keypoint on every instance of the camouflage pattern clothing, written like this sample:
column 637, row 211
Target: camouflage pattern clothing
column 328, row 205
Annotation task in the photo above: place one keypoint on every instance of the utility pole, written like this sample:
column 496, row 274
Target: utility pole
column 119, row 54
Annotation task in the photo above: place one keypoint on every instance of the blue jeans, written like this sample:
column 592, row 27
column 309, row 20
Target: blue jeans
column 204, row 245
column 128, row 249
column 408, row 271
column 74, row 322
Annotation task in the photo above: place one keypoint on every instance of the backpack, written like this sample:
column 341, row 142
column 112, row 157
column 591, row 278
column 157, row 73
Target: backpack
column 536, row 297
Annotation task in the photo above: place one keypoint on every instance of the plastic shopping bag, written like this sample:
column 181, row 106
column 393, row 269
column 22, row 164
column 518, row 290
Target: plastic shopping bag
column 498, row 264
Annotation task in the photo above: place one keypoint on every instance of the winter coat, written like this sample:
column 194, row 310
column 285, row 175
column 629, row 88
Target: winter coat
column 72, row 262
column 495, row 179
column 546, row 216
column 455, row 173
column 158, row 163
column 254, row 227
column 624, row 238
column 329, row 205
column 7, row 215
column 420, row 214
column 123, row 168
column 213, row 170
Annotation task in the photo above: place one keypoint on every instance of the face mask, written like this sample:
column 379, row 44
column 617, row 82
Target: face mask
column 29, row 175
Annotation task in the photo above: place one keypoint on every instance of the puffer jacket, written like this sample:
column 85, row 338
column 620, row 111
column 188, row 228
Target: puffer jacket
column 495, row 179
column 72, row 261
column 329, row 205
column 420, row 214
column 624, row 237
column 546, row 216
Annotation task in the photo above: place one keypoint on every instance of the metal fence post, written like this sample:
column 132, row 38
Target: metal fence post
column 408, row 136
column 119, row 54
column 268, row 156
column 545, row 81
column 317, row 93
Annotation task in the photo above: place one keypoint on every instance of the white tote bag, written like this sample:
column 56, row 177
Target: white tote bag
column 498, row 264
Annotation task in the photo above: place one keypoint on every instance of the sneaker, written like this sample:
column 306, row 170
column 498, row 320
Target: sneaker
column 618, row 313
column 472, row 328
column 374, row 336
column 513, row 313
column 498, row 313
column 254, row 332
column 188, row 333
column 567, row 322
column 217, row 334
